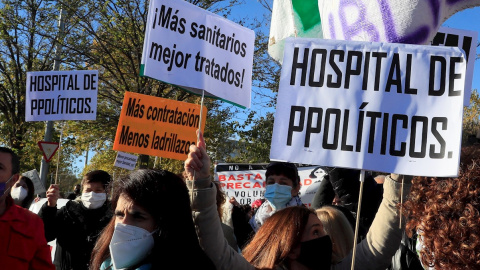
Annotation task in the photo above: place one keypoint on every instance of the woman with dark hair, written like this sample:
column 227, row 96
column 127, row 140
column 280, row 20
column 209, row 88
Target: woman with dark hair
column 22, row 192
column 152, row 226
column 444, row 212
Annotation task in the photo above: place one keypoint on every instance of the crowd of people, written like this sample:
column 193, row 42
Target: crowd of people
column 156, row 219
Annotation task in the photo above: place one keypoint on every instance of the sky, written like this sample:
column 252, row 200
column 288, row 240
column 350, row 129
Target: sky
column 468, row 19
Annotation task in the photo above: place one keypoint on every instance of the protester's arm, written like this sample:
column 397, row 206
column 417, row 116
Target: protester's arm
column 207, row 221
column 42, row 259
column 50, row 217
column 384, row 236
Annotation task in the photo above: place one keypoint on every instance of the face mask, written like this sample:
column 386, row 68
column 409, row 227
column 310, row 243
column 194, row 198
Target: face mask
column 92, row 200
column 3, row 187
column 316, row 254
column 130, row 245
column 278, row 195
column 18, row 194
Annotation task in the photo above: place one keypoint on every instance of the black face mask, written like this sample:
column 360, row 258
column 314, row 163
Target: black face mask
column 316, row 254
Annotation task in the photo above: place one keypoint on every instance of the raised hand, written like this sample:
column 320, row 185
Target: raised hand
column 53, row 193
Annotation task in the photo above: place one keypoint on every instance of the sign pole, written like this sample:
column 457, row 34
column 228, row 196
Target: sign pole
column 362, row 180
column 198, row 138
column 59, row 153
column 56, row 66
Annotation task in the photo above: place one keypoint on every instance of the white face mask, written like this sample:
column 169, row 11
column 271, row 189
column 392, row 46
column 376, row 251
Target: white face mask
column 130, row 245
column 92, row 200
column 18, row 194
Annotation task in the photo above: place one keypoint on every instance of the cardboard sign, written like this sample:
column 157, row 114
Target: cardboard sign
column 61, row 95
column 374, row 106
column 33, row 175
column 198, row 50
column 157, row 126
column 246, row 182
column 126, row 161
column 465, row 40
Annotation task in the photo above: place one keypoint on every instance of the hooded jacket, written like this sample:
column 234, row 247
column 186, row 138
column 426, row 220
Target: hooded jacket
column 76, row 229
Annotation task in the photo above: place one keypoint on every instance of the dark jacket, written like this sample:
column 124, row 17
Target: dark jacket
column 76, row 229
column 346, row 185
column 242, row 229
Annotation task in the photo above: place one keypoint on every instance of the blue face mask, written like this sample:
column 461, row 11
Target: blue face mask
column 278, row 195
column 3, row 186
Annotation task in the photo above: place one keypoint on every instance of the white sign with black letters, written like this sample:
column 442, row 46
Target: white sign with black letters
column 61, row 95
column 466, row 40
column 373, row 106
column 126, row 161
column 198, row 50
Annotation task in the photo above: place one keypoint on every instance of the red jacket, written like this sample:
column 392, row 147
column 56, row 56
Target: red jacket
column 22, row 240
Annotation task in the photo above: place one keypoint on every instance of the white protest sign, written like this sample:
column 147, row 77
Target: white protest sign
column 33, row 175
column 465, row 40
column 246, row 182
column 61, row 95
column 373, row 106
column 126, row 161
column 198, row 50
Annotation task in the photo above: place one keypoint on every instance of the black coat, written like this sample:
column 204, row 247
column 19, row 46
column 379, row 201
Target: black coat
column 76, row 229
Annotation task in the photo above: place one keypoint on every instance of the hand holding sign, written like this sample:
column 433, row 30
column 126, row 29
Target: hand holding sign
column 53, row 194
column 198, row 161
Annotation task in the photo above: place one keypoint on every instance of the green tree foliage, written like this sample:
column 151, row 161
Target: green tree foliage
column 109, row 37
column 22, row 48
column 471, row 117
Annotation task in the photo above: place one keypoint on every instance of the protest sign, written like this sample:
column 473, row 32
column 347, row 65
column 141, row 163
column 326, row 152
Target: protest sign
column 61, row 95
column 465, row 40
column 37, row 184
column 125, row 161
column 292, row 19
column 198, row 50
column 157, row 126
column 373, row 106
column 395, row 21
column 246, row 182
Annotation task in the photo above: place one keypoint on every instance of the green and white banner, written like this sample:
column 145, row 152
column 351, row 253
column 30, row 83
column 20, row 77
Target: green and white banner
column 296, row 18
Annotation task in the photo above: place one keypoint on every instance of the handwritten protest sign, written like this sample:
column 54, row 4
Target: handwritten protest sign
column 37, row 184
column 61, row 95
column 465, row 40
column 246, row 182
column 157, row 126
column 198, row 50
column 373, row 106
column 125, row 161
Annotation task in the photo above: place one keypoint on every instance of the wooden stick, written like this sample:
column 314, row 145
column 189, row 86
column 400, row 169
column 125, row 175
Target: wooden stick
column 198, row 139
column 401, row 204
column 362, row 180
column 59, row 153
